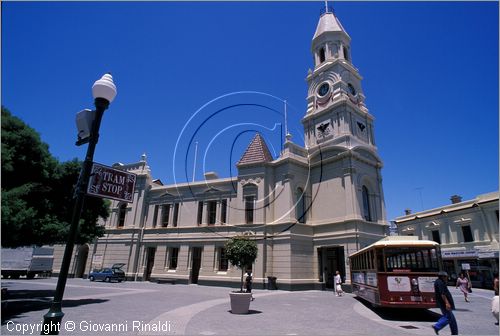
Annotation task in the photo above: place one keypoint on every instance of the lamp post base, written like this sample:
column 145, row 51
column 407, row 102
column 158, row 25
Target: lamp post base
column 52, row 321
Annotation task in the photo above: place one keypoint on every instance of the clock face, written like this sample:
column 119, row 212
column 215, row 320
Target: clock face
column 323, row 89
column 352, row 90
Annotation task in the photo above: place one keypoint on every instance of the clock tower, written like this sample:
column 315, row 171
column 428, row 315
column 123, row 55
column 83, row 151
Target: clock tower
column 345, row 169
column 336, row 111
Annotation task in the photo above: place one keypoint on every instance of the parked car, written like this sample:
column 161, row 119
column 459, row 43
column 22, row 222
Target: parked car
column 108, row 274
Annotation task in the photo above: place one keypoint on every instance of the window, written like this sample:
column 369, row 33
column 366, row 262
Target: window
column 346, row 53
column 155, row 216
column 436, row 237
column 223, row 211
column 174, row 254
column 322, row 55
column 249, row 209
column 223, row 264
column 249, row 195
column 300, row 206
column 165, row 216
column 352, row 90
column 176, row 215
column 211, row 212
column 466, row 231
column 122, row 212
column 200, row 212
column 366, row 205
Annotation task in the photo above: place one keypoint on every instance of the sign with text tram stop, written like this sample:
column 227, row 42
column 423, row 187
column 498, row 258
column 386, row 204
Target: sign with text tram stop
column 107, row 182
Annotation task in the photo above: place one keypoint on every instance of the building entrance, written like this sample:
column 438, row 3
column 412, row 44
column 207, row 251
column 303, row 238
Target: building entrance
column 81, row 260
column 330, row 260
column 195, row 265
column 150, row 261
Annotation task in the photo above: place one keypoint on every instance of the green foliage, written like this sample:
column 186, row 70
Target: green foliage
column 241, row 252
column 37, row 191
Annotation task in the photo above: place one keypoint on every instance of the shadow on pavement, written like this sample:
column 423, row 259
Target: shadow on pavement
column 22, row 301
column 402, row 314
column 250, row 312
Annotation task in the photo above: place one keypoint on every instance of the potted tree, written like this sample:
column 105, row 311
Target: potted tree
column 240, row 252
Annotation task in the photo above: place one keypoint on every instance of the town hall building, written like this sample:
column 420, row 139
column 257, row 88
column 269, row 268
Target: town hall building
column 308, row 209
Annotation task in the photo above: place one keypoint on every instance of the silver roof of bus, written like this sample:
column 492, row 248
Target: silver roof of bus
column 398, row 240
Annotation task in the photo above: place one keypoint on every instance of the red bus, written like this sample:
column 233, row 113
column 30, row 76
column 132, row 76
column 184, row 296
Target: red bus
column 397, row 271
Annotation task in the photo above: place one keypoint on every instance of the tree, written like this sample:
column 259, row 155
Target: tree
column 241, row 252
column 37, row 191
column 62, row 192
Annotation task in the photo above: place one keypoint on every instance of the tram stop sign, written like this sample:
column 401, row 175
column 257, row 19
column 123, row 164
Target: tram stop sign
column 107, row 182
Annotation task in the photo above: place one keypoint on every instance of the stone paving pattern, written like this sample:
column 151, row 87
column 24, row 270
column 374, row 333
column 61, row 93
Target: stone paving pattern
column 202, row 310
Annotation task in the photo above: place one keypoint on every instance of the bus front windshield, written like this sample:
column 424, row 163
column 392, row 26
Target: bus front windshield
column 412, row 259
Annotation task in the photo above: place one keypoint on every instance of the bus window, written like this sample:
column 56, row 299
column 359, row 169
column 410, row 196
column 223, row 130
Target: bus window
column 413, row 260
column 425, row 254
column 380, row 262
column 434, row 260
column 420, row 262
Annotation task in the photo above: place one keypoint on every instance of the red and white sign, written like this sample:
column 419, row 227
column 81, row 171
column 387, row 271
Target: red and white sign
column 107, row 182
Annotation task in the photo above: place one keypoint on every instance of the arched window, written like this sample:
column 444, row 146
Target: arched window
column 122, row 212
column 346, row 53
column 300, row 206
column 249, row 197
column 366, row 205
column 322, row 55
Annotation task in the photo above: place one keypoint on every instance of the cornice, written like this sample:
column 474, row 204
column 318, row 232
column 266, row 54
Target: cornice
column 337, row 102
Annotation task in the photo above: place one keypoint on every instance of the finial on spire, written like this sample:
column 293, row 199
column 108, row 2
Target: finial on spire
column 327, row 9
column 143, row 157
column 286, row 121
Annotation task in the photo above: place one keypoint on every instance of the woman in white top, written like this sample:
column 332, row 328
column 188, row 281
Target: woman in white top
column 338, row 282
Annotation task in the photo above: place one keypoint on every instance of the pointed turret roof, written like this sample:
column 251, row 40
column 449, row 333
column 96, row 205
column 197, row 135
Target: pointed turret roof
column 328, row 22
column 256, row 152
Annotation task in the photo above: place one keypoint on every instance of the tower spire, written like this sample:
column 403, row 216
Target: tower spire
column 326, row 6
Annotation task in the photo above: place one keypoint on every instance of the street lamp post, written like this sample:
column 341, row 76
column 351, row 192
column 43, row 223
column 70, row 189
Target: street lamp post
column 104, row 91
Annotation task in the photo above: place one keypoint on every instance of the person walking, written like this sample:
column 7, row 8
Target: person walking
column 495, row 301
column 495, row 283
column 338, row 283
column 445, row 302
column 248, row 282
column 463, row 283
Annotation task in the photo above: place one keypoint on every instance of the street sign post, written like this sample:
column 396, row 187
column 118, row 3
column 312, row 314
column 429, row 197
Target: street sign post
column 107, row 182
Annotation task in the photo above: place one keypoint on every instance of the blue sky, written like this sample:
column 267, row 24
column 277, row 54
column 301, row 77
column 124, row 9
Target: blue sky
column 430, row 78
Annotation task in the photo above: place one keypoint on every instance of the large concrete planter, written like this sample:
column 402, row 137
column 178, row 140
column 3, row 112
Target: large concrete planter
column 240, row 302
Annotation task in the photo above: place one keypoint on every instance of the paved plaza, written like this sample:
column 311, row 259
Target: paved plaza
column 91, row 307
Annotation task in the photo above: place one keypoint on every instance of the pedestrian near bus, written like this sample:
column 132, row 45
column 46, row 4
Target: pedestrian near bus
column 495, row 301
column 338, row 284
column 495, row 283
column 464, row 285
column 445, row 303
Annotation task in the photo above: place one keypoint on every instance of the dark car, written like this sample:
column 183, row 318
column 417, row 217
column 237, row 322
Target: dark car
column 113, row 273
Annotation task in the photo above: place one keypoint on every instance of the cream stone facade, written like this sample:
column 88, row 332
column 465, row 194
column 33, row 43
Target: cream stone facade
column 467, row 232
column 308, row 209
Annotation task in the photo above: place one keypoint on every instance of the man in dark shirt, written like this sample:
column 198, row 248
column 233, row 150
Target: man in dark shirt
column 445, row 303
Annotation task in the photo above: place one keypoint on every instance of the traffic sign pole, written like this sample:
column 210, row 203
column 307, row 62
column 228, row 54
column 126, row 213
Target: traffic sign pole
column 52, row 320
